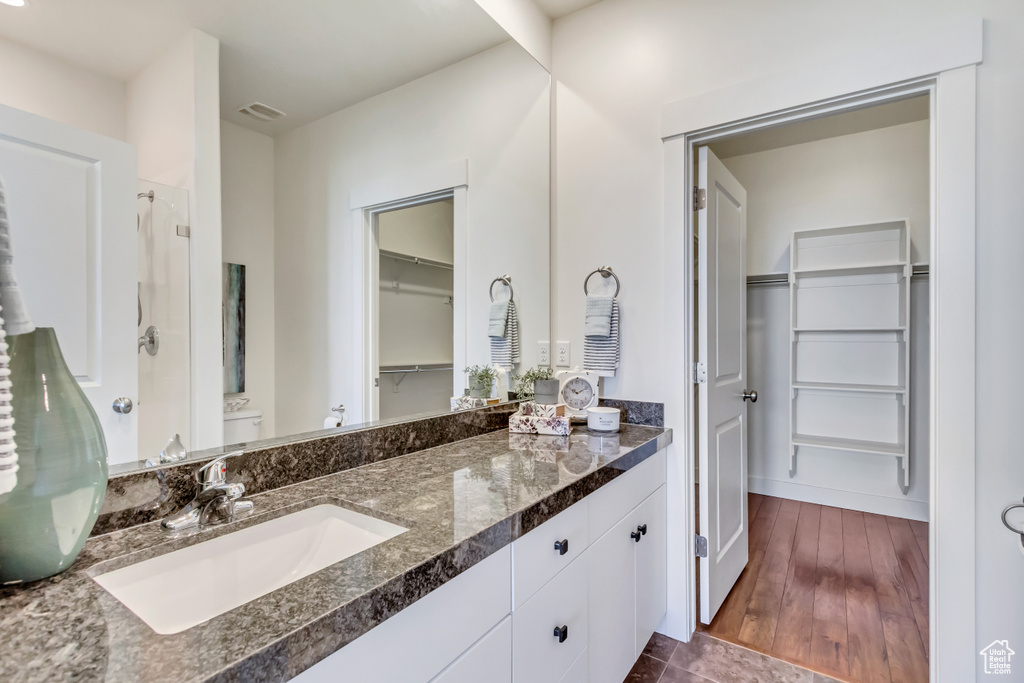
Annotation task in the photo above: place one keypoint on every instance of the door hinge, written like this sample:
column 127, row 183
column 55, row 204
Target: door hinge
column 700, row 198
column 702, row 546
column 184, row 231
column 700, row 373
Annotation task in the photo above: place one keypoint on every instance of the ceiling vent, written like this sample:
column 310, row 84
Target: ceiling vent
column 261, row 112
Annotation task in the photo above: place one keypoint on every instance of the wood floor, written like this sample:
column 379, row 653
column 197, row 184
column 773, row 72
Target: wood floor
column 837, row 591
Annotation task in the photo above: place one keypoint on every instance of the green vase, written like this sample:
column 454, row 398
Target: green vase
column 62, row 463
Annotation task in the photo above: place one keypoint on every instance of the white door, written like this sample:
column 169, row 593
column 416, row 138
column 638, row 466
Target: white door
column 71, row 204
column 722, row 348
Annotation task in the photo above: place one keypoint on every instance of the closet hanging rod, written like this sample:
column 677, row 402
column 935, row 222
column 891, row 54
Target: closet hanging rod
column 399, row 370
column 417, row 260
column 918, row 270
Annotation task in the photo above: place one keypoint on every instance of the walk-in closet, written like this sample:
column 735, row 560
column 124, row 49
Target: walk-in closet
column 835, row 429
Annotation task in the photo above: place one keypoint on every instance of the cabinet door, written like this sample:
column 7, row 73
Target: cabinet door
column 612, row 603
column 651, row 569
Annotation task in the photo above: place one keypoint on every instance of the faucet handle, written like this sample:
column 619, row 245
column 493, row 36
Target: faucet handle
column 215, row 472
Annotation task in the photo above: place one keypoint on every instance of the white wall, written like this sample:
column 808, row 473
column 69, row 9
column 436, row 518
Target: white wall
column 618, row 62
column 873, row 176
column 247, row 199
column 425, row 230
column 849, row 180
column 492, row 109
column 173, row 118
column 39, row 83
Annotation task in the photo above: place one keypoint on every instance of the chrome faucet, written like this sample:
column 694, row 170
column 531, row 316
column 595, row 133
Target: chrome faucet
column 216, row 500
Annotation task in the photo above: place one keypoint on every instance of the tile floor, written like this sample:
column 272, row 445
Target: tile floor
column 706, row 659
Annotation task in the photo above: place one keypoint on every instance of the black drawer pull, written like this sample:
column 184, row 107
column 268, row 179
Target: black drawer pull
column 642, row 529
column 561, row 633
column 635, row 535
column 562, row 546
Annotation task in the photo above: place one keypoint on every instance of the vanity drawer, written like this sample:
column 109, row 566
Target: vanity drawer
column 490, row 659
column 612, row 502
column 538, row 655
column 469, row 606
column 580, row 670
column 536, row 560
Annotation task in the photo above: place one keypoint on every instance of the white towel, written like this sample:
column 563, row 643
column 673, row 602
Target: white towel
column 505, row 350
column 598, row 322
column 601, row 354
column 498, row 320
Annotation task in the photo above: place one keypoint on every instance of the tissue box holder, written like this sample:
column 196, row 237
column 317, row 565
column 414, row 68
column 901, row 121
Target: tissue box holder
column 541, row 410
column 531, row 424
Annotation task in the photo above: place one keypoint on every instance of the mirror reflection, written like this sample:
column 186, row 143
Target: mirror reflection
column 253, row 221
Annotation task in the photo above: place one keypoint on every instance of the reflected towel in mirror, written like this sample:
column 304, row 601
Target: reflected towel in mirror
column 505, row 350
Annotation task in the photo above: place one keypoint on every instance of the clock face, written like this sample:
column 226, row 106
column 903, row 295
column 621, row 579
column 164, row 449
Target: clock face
column 577, row 393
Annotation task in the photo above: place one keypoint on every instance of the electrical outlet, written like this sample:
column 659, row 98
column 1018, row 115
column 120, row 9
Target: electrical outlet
column 543, row 353
column 562, row 354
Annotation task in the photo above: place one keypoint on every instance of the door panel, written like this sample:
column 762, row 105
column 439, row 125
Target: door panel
column 722, row 348
column 71, row 197
column 651, row 568
column 612, row 572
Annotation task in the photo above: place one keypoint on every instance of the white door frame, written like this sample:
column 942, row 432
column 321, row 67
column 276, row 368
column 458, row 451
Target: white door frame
column 942, row 62
column 417, row 186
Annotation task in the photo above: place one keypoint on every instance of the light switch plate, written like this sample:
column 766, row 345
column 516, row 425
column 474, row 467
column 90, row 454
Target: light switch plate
column 562, row 354
column 543, row 353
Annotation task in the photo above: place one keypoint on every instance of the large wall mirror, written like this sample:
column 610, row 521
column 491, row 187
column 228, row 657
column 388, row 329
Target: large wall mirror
column 240, row 216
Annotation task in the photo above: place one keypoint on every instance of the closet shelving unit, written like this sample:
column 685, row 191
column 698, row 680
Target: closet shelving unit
column 850, row 335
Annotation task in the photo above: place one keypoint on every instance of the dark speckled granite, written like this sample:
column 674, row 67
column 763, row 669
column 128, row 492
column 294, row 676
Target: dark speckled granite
column 638, row 412
column 461, row 502
column 141, row 496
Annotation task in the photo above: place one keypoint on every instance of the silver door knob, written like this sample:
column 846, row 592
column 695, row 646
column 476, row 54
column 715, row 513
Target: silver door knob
column 123, row 405
column 750, row 396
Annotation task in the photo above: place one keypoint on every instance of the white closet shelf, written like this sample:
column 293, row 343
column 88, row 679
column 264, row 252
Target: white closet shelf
column 863, row 388
column 852, row 445
column 850, row 312
column 866, row 269
column 802, row 330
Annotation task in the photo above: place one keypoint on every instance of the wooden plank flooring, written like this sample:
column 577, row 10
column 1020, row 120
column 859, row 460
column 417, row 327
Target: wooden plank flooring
column 838, row 591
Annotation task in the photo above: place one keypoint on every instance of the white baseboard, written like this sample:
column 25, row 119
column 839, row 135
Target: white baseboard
column 850, row 500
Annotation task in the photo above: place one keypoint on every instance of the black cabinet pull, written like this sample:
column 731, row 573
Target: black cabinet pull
column 562, row 546
column 635, row 535
column 642, row 529
column 561, row 633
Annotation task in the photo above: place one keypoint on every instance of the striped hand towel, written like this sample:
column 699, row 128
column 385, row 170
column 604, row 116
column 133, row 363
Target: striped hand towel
column 505, row 350
column 601, row 354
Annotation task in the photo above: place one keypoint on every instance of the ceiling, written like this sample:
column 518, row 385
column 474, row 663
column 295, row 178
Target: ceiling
column 308, row 58
column 559, row 8
column 846, row 123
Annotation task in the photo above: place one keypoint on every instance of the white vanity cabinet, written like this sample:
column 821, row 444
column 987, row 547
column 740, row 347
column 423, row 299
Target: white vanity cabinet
column 628, row 585
column 572, row 601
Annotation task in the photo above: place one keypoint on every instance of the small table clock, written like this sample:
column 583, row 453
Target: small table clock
column 577, row 389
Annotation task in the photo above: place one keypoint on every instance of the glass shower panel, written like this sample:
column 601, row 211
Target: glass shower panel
column 165, row 368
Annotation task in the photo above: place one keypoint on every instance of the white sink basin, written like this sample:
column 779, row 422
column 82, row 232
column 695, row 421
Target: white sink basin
column 176, row 591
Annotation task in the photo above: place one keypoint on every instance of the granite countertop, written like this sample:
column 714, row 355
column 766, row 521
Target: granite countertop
column 461, row 502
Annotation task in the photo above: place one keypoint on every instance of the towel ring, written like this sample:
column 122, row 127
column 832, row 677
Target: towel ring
column 508, row 283
column 606, row 272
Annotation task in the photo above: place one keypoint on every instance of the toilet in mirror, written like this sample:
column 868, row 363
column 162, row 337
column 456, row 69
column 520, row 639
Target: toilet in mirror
column 251, row 222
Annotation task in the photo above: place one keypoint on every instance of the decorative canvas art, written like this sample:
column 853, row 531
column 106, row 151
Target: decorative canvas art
column 233, row 284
